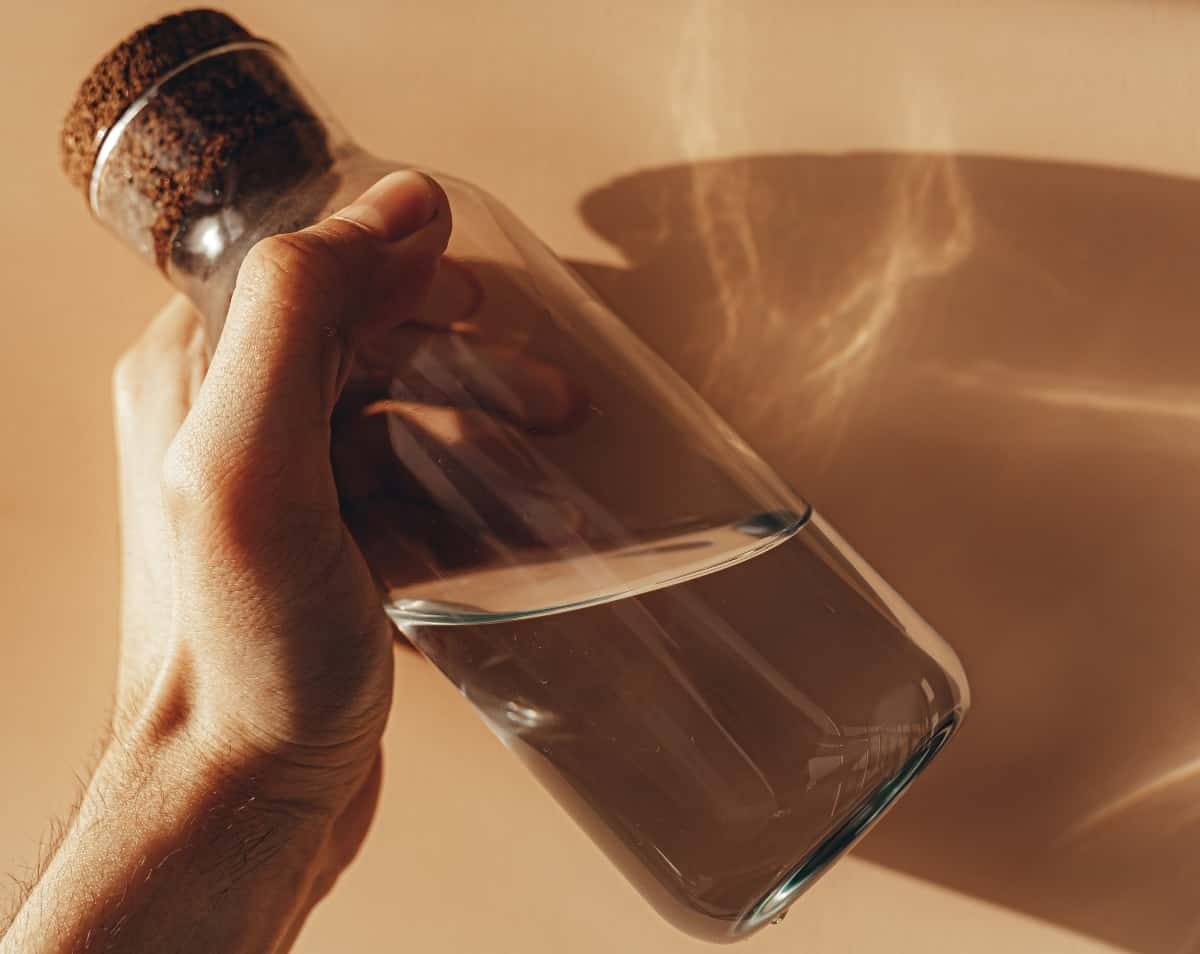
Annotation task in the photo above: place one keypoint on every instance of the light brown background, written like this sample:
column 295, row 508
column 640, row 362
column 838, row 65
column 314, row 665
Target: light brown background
column 981, row 364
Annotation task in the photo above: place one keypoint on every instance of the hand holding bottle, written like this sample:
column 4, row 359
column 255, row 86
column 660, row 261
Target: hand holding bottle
column 255, row 674
column 721, row 691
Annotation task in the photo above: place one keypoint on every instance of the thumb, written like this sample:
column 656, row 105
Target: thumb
column 257, row 438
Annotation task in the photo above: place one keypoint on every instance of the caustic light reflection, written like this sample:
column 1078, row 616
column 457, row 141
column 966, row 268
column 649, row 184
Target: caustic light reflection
column 824, row 322
column 1077, row 393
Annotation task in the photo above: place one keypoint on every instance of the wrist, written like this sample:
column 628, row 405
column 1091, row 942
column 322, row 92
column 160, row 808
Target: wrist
column 172, row 850
column 213, row 737
column 186, row 780
column 166, row 754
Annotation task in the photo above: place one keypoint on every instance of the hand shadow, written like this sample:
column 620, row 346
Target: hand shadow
column 984, row 371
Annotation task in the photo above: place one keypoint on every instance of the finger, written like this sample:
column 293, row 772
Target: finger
column 405, row 541
column 257, row 440
column 455, row 296
column 304, row 300
column 154, row 384
column 500, row 300
column 385, row 448
column 424, row 488
column 482, row 473
column 466, row 370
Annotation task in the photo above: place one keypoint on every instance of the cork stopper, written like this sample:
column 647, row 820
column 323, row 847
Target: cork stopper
column 236, row 111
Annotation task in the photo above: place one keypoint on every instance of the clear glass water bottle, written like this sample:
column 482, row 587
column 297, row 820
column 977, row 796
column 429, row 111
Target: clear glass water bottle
column 695, row 664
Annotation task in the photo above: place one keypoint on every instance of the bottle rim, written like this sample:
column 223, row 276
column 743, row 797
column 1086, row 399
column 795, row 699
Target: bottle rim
column 110, row 136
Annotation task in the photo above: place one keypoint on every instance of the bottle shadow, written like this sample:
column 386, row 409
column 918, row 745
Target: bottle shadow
column 984, row 371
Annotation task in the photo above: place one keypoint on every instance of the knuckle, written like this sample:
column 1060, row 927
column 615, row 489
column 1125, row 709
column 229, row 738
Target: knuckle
column 125, row 376
column 168, row 349
column 175, row 479
column 291, row 266
column 275, row 261
column 191, row 479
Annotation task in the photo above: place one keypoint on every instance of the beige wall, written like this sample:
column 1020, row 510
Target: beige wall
column 982, row 366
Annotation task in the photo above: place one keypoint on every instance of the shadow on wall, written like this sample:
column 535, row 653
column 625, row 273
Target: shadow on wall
column 986, row 372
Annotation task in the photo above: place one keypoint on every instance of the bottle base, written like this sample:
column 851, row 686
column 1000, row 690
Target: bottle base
column 773, row 905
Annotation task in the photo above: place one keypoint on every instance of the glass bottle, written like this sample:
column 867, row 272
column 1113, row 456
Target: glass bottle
column 695, row 664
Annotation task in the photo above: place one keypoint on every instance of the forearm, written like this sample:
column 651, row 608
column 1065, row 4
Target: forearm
column 171, row 852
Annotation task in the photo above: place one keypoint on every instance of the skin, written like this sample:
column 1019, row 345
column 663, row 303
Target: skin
column 255, row 673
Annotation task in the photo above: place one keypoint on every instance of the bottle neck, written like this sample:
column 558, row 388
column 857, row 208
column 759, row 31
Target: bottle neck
column 225, row 149
column 214, row 237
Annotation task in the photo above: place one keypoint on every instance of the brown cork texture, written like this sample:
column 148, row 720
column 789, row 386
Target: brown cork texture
column 231, row 123
column 130, row 69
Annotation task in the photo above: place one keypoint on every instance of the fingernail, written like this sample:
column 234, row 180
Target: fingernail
column 394, row 207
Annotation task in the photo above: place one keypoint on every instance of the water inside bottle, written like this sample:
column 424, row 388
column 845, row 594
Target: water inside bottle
column 721, row 734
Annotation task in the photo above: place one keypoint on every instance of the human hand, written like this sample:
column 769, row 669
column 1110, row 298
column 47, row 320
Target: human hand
column 255, row 672
column 278, row 651
column 252, row 627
